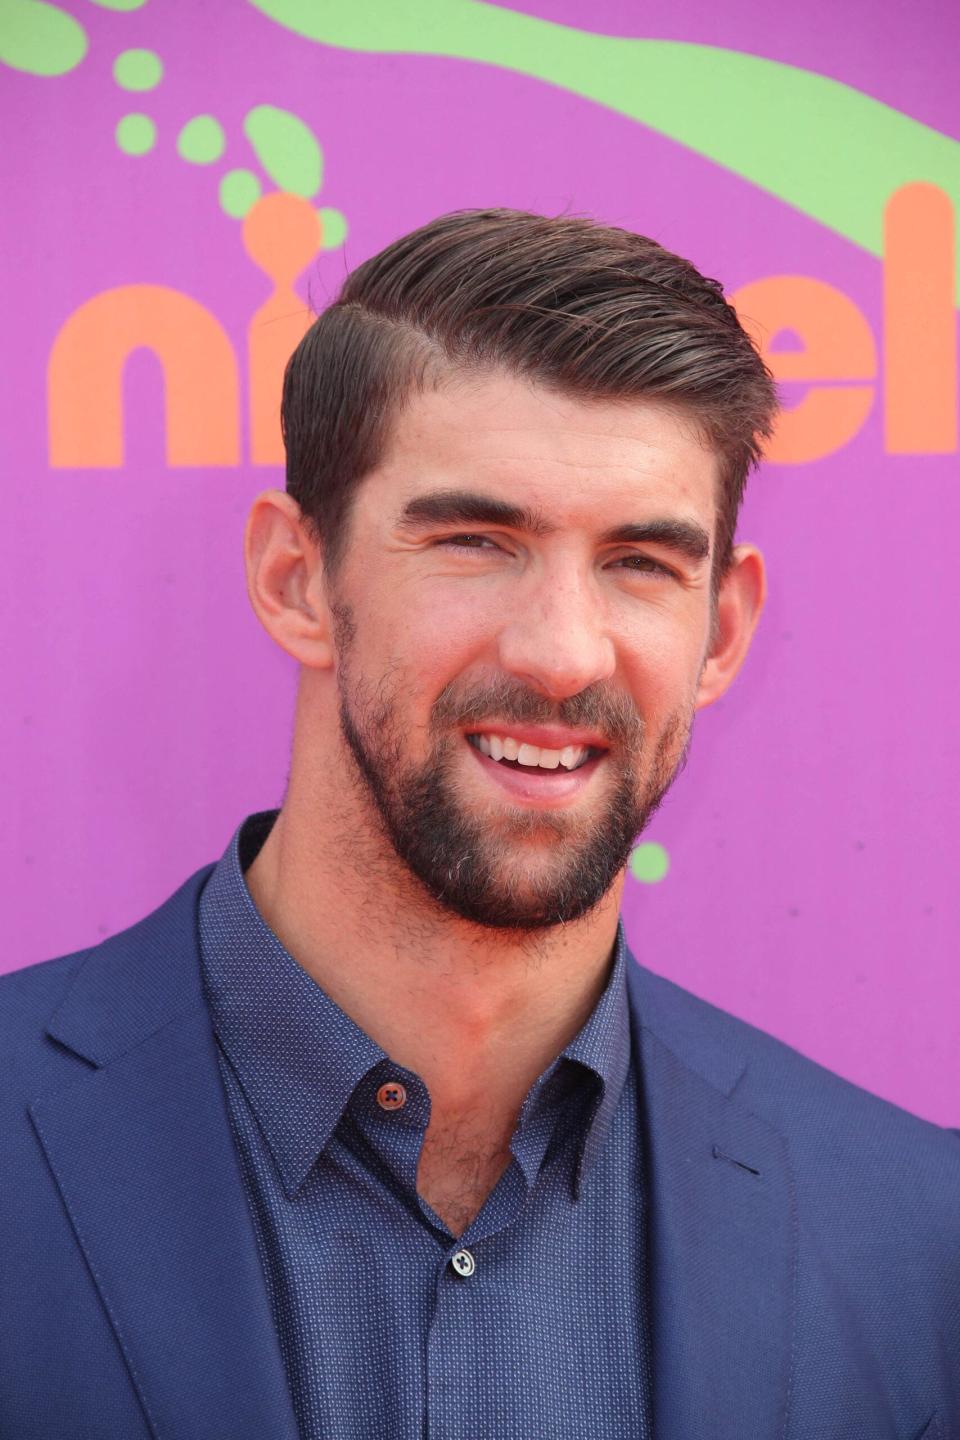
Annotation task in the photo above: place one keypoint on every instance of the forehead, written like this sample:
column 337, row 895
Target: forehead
column 573, row 459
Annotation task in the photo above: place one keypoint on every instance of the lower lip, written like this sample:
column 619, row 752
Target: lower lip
column 548, row 789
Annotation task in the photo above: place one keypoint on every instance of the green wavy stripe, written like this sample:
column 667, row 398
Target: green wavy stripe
column 830, row 151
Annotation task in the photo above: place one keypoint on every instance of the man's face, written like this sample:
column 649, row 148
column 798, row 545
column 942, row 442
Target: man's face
column 522, row 614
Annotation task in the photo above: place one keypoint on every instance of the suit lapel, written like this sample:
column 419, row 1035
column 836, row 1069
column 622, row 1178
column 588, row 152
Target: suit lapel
column 722, row 1230
column 141, row 1150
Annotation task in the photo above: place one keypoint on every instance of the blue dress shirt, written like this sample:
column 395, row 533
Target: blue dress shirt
column 531, row 1323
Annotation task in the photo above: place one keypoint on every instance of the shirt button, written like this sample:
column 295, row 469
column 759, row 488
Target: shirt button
column 391, row 1096
column 464, row 1263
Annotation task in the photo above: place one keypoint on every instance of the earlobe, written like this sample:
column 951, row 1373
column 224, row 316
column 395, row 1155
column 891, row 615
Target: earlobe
column 285, row 579
column 739, row 603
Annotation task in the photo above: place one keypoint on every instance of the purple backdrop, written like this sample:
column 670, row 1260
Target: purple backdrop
column 811, row 886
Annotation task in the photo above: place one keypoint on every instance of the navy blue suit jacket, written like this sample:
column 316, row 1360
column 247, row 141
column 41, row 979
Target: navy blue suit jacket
column 804, row 1243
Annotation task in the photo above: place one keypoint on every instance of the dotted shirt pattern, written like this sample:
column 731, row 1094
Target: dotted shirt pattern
column 385, row 1328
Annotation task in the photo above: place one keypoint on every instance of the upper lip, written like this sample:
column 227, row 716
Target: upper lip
column 545, row 737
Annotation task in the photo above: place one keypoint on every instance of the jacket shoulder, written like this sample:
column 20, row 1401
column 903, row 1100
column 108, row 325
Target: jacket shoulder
column 100, row 985
column 820, row 1113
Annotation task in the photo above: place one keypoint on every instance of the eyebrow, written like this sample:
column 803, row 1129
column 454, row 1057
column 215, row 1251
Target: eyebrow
column 466, row 507
column 686, row 537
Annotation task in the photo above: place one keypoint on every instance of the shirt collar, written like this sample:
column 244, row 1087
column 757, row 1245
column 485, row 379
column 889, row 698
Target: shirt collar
column 298, row 1057
column 604, row 1045
column 600, row 1055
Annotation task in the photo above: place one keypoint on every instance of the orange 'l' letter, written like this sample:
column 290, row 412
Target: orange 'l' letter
column 920, row 323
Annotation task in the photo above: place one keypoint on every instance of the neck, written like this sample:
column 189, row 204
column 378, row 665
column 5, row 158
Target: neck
column 477, row 1013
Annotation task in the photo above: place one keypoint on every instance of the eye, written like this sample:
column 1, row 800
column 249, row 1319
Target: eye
column 645, row 565
column 468, row 541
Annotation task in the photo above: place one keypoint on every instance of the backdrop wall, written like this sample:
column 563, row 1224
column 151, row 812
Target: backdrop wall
column 182, row 183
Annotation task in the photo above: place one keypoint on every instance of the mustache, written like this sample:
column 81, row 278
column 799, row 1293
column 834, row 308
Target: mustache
column 609, row 712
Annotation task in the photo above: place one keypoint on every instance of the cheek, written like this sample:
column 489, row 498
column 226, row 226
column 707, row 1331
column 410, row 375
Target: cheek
column 423, row 643
column 661, row 664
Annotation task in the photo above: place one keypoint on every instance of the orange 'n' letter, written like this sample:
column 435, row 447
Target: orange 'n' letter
column 85, row 378
column 837, row 344
column 920, row 334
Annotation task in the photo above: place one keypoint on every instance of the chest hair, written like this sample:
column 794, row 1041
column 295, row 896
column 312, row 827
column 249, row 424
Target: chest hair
column 460, row 1163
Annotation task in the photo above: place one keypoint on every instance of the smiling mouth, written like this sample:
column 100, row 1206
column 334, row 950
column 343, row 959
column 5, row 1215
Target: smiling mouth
column 515, row 755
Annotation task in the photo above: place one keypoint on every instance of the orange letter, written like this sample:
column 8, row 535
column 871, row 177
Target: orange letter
column 837, row 345
column 85, row 378
column 920, row 323
column 281, row 234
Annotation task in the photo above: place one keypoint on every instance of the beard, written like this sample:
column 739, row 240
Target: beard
column 472, row 865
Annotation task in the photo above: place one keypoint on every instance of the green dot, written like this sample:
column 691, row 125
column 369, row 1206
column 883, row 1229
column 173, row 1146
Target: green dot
column 136, row 134
column 40, row 39
column 120, row 4
column 333, row 227
column 138, row 69
column 201, row 141
column 286, row 148
column 649, row 862
column 239, row 189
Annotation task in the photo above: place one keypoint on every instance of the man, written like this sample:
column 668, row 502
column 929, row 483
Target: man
column 375, row 1128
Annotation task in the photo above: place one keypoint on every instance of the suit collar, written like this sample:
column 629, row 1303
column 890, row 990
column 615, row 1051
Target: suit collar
column 701, row 1037
column 135, row 983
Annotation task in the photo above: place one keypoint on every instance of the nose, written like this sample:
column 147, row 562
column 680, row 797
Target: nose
column 558, row 641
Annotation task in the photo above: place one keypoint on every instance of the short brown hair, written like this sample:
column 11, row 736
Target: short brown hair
column 591, row 310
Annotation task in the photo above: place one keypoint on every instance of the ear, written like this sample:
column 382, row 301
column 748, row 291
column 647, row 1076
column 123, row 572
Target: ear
column 742, row 592
column 285, row 579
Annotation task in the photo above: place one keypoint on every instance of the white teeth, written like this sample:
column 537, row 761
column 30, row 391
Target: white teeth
column 503, row 747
